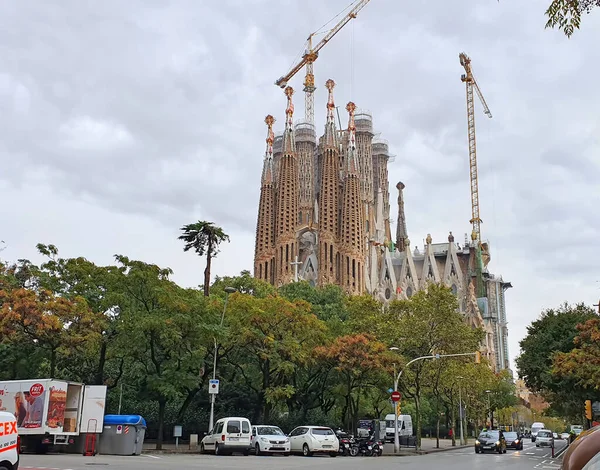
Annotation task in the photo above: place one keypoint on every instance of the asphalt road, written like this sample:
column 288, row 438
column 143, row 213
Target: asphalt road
column 530, row 458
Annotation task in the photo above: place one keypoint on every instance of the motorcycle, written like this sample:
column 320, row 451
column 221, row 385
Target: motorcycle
column 370, row 447
column 346, row 441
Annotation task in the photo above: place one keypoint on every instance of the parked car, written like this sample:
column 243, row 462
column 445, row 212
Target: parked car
column 490, row 440
column 227, row 436
column 544, row 438
column 513, row 440
column 309, row 440
column 564, row 435
column 269, row 439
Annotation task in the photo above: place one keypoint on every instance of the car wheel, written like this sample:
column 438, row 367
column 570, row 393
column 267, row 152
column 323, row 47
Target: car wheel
column 477, row 451
column 257, row 449
column 306, row 451
column 218, row 450
column 286, row 454
column 333, row 454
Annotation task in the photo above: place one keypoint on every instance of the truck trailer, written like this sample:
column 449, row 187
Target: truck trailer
column 52, row 412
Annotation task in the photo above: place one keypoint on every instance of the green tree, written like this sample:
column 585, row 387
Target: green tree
column 245, row 283
column 204, row 238
column 429, row 323
column 554, row 331
column 167, row 332
column 566, row 14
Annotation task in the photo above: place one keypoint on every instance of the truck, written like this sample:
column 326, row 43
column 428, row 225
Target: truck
column 405, row 427
column 535, row 428
column 52, row 412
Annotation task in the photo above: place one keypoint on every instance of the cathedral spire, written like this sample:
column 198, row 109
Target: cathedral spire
column 401, row 235
column 289, row 143
column 267, row 176
column 352, row 159
column 330, row 131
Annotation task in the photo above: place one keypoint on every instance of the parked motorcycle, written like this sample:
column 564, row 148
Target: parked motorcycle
column 347, row 443
column 370, row 447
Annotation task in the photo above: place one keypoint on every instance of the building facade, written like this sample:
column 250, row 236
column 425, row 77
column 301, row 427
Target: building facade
column 324, row 217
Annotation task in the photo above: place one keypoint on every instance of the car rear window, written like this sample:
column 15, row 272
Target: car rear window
column 544, row 434
column 322, row 432
column 233, row 426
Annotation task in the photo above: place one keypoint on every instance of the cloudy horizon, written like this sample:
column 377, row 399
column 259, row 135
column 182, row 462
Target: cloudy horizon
column 121, row 122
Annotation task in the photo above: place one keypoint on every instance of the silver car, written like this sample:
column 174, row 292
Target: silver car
column 544, row 438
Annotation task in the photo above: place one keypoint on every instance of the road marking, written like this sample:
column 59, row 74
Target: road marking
column 151, row 456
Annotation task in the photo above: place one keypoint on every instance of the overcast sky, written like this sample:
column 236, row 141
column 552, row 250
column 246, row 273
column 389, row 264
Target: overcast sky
column 120, row 121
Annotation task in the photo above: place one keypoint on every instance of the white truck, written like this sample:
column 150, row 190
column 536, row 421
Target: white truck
column 53, row 412
column 405, row 427
column 9, row 442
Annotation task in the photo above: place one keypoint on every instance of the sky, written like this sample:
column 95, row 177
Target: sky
column 122, row 121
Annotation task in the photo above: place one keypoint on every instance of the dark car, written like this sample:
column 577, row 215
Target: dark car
column 513, row 440
column 491, row 440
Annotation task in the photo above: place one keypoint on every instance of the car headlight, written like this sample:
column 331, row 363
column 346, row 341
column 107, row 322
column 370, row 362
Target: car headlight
column 517, row 441
column 264, row 439
column 286, row 440
column 497, row 443
column 477, row 442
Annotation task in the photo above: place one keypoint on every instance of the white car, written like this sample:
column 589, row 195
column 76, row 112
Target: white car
column 227, row 436
column 309, row 440
column 10, row 442
column 269, row 439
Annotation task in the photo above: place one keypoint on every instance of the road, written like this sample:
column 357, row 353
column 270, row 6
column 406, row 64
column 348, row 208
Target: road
column 530, row 458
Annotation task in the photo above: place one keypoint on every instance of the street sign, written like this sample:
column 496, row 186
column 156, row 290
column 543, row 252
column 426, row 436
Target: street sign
column 119, row 429
column 396, row 396
column 213, row 386
column 390, row 390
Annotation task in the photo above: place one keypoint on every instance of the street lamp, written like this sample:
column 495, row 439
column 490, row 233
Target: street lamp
column 228, row 290
column 489, row 408
column 460, row 411
column 396, row 377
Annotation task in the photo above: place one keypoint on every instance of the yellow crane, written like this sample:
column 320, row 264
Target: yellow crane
column 471, row 84
column 310, row 55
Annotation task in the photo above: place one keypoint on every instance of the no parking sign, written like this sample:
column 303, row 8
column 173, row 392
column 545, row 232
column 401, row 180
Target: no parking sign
column 119, row 429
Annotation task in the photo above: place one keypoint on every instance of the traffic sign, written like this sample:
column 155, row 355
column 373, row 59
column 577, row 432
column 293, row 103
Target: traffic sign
column 390, row 390
column 396, row 396
column 213, row 386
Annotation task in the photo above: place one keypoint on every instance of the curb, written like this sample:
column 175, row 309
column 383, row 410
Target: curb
column 407, row 453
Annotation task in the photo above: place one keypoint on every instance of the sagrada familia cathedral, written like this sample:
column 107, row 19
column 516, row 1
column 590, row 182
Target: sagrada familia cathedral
column 324, row 217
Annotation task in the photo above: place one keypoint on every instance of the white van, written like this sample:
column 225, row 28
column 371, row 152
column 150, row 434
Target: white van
column 535, row 428
column 10, row 442
column 405, row 427
column 227, row 436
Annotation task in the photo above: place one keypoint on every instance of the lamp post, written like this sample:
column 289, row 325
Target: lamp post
column 460, row 412
column 228, row 290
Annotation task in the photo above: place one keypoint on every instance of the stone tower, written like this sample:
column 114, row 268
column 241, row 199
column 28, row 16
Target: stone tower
column 352, row 222
column 286, row 200
column 264, row 252
column 401, row 234
column 329, row 197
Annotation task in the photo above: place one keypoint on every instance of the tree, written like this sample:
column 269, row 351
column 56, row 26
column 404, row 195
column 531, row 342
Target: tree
column 167, row 332
column 582, row 363
column 245, row 283
column 554, row 331
column 566, row 14
column 429, row 323
column 359, row 361
column 204, row 238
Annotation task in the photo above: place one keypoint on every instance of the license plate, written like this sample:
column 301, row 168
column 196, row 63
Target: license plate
column 346, row 445
column 277, row 448
column 327, row 447
column 487, row 447
column 234, row 438
column 370, row 447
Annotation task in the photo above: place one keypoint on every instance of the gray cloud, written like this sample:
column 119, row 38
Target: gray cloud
column 125, row 120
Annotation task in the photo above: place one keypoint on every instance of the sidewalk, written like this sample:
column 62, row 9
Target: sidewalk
column 427, row 447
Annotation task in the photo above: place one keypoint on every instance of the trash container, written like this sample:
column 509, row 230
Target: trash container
column 122, row 435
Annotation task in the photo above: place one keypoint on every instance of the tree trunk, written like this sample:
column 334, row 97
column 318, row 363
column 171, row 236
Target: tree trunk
column 162, row 405
column 52, row 363
column 418, row 413
column 186, row 403
column 99, row 378
column 437, row 434
column 453, row 423
column 207, row 273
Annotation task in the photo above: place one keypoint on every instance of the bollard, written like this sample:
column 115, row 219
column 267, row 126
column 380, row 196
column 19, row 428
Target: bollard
column 193, row 441
column 552, row 450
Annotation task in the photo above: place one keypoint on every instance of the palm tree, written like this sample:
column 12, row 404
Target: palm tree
column 204, row 238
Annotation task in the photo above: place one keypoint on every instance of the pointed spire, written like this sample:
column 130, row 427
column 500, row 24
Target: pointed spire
column 267, row 176
column 401, row 233
column 330, row 131
column 352, row 159
column 289, row 143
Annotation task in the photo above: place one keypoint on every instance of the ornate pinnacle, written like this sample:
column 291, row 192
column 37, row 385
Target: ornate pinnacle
column 352, row 163
column 289, row 111
column 330, row 84
column 269, row 120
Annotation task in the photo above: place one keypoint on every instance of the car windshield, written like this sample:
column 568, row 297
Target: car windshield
column 489, row 435
column 269, row 431
column 544, row 434
column 322, row 432
column 510, row 436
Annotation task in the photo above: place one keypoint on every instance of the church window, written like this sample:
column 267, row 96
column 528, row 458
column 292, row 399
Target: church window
column 409, row 292
column 454, row 289
column 299, row 217
column 388, row 293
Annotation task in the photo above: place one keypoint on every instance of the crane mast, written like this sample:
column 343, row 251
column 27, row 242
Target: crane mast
column 471, row 84
column 310, row 56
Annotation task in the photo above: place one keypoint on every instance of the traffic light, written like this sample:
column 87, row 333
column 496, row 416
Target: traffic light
column 477, row 357
column 588, row 409
column 398, row 409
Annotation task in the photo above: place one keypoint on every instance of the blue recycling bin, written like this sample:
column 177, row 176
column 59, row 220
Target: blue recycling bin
column 122, row 435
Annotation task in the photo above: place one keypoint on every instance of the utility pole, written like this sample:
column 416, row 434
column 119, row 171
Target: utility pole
column 460, row 412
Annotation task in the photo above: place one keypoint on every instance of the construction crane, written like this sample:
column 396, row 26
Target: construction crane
column 471, row 84
column 310, row 55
